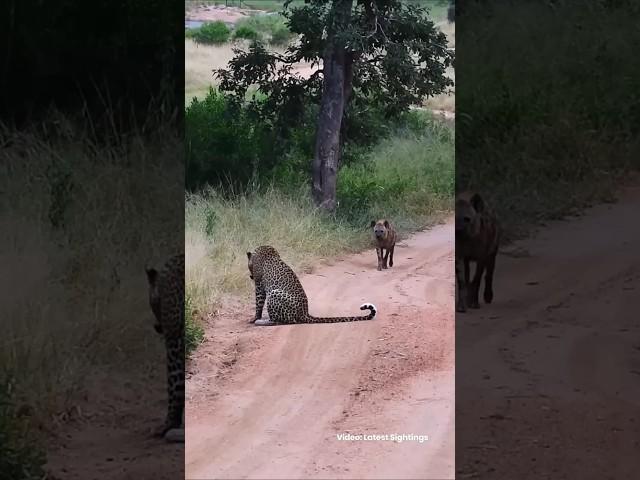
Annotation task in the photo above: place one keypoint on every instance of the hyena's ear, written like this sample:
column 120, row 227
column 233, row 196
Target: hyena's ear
column 477, row 202
column 249, row 255
column 386, row 223
column 152, row 274
column 373, row 223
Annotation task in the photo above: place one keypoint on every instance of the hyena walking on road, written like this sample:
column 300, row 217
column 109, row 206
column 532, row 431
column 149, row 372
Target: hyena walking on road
column 477, row 240
column 385, row 237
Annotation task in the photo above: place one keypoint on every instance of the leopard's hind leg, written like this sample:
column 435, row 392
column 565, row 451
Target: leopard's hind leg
column 280, row 308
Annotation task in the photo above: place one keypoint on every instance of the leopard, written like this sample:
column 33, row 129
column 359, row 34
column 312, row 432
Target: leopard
column 166, row 298
column 287, row 301
column 385, row 237
column 478, row 236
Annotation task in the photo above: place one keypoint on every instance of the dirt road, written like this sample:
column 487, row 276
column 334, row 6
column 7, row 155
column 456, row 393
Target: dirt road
column 547, row 376
column 268, row 402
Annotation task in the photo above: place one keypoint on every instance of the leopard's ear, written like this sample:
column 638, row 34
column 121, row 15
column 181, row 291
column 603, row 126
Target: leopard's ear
column 249, row 255
column 386, row 223
column 152, row 275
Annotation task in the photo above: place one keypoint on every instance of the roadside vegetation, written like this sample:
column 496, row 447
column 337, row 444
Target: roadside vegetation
column 95, row 315
column 537, row 135
column 248, row 176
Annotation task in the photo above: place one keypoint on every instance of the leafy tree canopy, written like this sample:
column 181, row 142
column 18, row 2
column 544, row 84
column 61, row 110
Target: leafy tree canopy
column 396, row 55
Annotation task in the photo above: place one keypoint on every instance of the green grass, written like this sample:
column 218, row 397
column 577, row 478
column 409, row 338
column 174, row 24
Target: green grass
column 408, row 178
column 245, row 33
column 74, row 292
column 539, row 136
column 21, row 455
column 267, row 28
column 193, row 332
column 214, row 33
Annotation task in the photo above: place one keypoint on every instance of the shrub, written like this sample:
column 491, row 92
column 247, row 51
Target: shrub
column 20, row 457
column 193, row 331
column 407, row 177
column 223, row 142
column 227, row 144
column 246, row 32
column 212, row 33
column 271, row 27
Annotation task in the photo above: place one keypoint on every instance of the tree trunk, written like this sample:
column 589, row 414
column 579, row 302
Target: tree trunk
column 335, row 91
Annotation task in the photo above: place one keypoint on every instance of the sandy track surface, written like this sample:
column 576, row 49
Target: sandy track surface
column 547, row 376
column 268, row 402
column 110, row 435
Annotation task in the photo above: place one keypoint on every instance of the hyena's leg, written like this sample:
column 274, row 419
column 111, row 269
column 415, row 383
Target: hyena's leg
column 475, row 285
column 461, row 288
column 488, row 279
column 393, row 247
column 379, row 253
column 386, row 259
column 466, row 271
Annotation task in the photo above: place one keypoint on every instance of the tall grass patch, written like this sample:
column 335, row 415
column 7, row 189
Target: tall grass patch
column 21, row 454
column 407, row 177
column 221, row 230
column 540, row 136
column 83, row 234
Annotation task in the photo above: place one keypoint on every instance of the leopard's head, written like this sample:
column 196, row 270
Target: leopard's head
column 250, row 264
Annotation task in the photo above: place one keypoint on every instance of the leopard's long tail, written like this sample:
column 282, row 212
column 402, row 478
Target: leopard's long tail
column 366, row 306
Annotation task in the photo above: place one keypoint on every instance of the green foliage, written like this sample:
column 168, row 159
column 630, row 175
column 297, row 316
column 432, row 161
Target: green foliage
column 21, row 458
column 224, row 143
column 245, row 32
column 210, row 222
column 228, row 144
column 559, row 135
column 267, row 28
column 90, row 272
column 405, row 177
column 213, row 33
column 396, row 64
column 193, row 331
